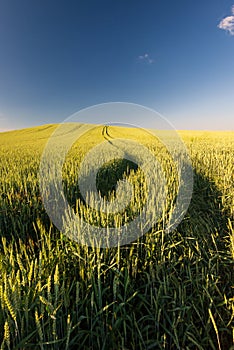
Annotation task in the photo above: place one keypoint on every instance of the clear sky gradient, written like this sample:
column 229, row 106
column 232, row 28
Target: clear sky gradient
column 57, row 57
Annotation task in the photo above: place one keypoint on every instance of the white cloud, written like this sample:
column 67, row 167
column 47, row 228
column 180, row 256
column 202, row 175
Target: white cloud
column 227, row 23
column 146, row 58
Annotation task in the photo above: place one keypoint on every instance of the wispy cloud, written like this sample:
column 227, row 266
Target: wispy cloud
column 227, row 23
column 146, row 58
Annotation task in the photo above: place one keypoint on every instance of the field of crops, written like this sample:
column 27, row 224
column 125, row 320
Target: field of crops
column 162, row 291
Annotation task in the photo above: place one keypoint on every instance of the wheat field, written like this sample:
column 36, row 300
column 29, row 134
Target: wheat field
column 162, row 291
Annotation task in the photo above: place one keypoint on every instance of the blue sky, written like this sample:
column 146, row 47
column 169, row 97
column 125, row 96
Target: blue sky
column 57, row 57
